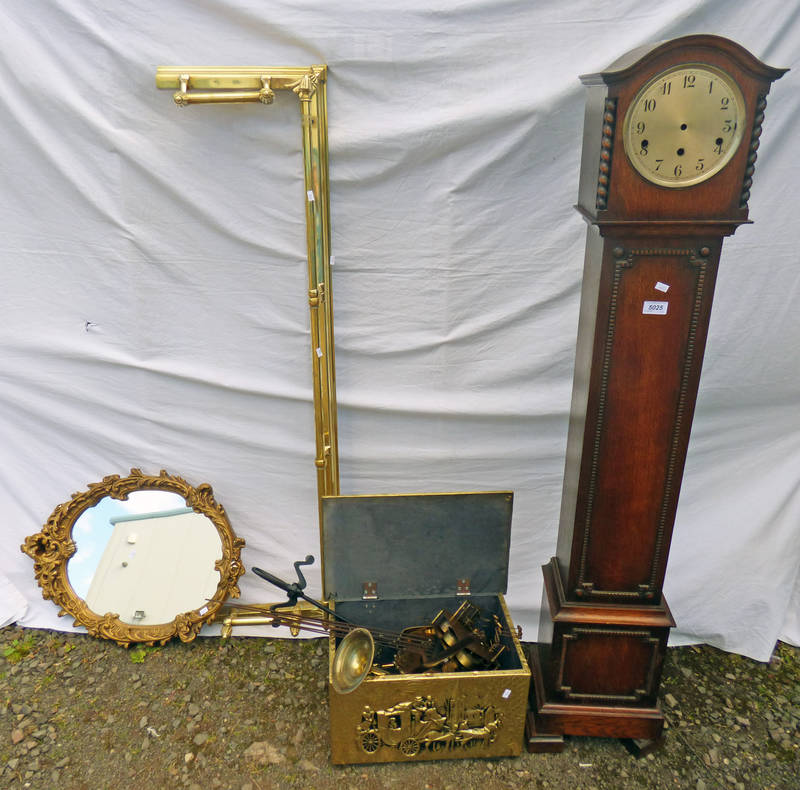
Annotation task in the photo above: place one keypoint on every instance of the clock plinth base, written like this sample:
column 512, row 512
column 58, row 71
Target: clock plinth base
column 552, row 716
column 597, row 666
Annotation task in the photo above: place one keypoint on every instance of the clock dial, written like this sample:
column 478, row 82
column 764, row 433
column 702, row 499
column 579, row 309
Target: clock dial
column 684, row 125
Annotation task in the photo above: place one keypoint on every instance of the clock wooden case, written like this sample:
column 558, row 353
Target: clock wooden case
column 671, row 137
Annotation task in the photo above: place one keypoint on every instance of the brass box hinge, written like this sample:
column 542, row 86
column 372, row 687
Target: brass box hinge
column 369, row 591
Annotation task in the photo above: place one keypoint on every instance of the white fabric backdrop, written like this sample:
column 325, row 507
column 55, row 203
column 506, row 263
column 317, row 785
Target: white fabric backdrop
column 153, row 275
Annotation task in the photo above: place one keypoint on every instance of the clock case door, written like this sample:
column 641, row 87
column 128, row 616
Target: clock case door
column 605, row 622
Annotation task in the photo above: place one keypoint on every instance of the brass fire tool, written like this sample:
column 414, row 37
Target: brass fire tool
column 450, row 643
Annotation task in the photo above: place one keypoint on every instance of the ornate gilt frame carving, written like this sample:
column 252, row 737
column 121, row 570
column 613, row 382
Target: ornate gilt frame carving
column 51, row 549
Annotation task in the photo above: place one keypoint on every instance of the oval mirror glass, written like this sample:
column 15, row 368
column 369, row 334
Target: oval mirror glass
column 147, row 558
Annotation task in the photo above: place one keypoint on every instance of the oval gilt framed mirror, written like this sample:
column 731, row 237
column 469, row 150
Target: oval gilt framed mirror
column 139, row 558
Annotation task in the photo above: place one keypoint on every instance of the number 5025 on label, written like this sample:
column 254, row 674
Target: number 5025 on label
column 655, row 308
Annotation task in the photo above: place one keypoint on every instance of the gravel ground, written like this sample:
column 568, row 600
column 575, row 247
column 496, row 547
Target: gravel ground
column 251, row 714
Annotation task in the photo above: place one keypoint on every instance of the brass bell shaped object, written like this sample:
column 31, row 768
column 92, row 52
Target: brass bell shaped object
column 352, row 661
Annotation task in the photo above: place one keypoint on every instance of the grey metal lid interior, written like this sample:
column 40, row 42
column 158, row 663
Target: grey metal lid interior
column 416, row 545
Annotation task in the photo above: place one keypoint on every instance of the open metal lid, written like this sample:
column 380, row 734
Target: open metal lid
column 416, row 545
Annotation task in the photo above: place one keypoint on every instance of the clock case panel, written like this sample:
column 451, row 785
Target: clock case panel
column 636, row 380
column 605, row 622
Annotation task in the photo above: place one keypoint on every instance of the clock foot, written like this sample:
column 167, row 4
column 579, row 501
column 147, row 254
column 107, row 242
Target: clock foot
column 641, row 747
column 538, row 742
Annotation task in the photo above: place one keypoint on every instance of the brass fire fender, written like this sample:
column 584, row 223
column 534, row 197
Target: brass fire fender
column 236, row 84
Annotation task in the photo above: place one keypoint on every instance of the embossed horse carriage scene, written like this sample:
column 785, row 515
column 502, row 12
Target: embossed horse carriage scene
column 410, row 727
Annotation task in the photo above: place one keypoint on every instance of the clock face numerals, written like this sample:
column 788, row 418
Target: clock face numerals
column 684, row 125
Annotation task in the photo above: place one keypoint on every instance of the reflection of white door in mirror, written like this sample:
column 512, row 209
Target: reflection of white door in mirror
column 146, row 559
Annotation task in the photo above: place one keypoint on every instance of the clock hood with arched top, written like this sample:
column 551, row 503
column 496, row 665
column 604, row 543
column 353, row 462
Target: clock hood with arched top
column 613, row 191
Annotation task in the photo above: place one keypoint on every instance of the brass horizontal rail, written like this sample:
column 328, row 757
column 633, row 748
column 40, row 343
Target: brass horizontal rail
column 236, row 84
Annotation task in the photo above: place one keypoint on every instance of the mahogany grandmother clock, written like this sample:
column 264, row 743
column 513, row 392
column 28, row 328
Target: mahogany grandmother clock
column 670, row 139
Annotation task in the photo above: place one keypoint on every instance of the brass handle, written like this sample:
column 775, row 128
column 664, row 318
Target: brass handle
column 184, row 96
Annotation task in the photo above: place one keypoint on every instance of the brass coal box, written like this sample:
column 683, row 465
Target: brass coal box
column 396, row 561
